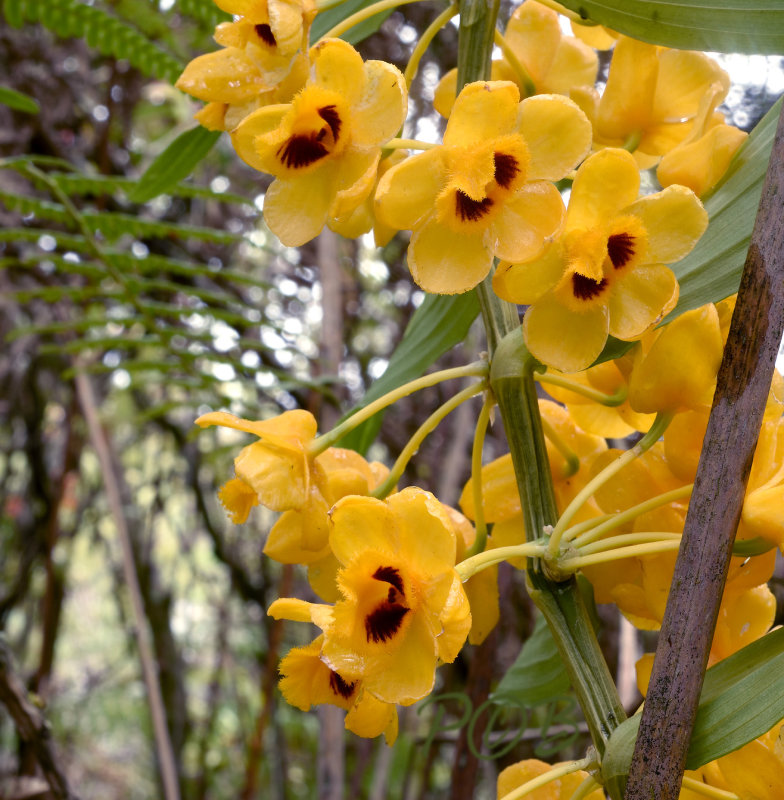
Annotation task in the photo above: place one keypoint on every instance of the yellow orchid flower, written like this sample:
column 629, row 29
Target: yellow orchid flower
column 555, row 63
column 702, row 158
column 482, row 587
column 261, row 61
column 485, row 192
column 276, row 468
column 403, row 606
column 762, row 508
column 515, row 775
column 325, row 146
column 653, row 96
column 605, row 273
column 307, row 681
column 301, row 535
column 610, row 378
column 756, row 770
column 640, row 586
column 675, row 366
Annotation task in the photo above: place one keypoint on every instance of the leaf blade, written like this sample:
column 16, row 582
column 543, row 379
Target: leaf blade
column 727, row 26
column 174, row 164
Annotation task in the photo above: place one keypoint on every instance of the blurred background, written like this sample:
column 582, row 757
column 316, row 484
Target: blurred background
column 120, row 323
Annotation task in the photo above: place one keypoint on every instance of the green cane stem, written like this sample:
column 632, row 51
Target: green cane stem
column 512, row 382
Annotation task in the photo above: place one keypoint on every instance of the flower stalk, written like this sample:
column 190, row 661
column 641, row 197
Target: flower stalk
column 512, row 382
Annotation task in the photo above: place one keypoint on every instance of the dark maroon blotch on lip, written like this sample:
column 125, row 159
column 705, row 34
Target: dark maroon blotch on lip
column 506, row 169
column 385, row 621
column 340, row 686
column 264, row 32
column 587, row 288
column 620, row 249
column 471, row 210
column 301, row 151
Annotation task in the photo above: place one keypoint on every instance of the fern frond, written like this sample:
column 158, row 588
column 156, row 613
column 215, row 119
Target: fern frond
column 65, row 241
column 26, row 205
column 108, row 34
column 113, row 225
column 99, row 185
column 173, row 266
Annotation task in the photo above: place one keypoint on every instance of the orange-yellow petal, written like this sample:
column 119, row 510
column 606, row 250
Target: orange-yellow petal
column 297, row 209
column 381, row 109
column 565, row 340
column 607, row 182
column 483, row 111
column 238, row 499
column 407, row 192
column 558, row 135
column 444, row 261
column 679, row 370
column 526, row 283
column 674, row 220
column 640, row 299
column 527, row 222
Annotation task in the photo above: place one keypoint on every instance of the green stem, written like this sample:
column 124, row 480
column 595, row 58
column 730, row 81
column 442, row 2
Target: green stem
column 571, row 458
column 480, row 432
column 424, row 42
column 551, row 775
column 465, row 569
column 362, row 15
column 659, row 426
column 624, row 539
column 321, row 443
column 586, row 391
column 634, row 551
column 408, row 144
column 526, row 82
column 512, row 383
column 425, row 429
column 707, row 791
column 616, row 520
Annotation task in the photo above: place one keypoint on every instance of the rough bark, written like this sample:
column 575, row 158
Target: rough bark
column 700, row 572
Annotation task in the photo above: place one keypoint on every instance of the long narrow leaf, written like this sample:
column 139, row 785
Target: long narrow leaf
column 729, row 26
column 175, row 163
column 742, row 698
column 18, row 101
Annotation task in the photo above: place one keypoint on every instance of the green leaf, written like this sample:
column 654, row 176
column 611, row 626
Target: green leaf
column 174, row 164
column 537, row 675
column 742, row 698
column 729, row 26
column 18, row 100
column 437, row 325
column 326, row 20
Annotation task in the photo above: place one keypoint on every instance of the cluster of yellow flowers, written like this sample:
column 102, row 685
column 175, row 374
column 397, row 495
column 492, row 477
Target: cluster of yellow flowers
column 399, row 573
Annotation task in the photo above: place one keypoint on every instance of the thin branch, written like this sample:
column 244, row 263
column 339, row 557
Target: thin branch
column 701, row 569
column 165, row 752
column 30, row 724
